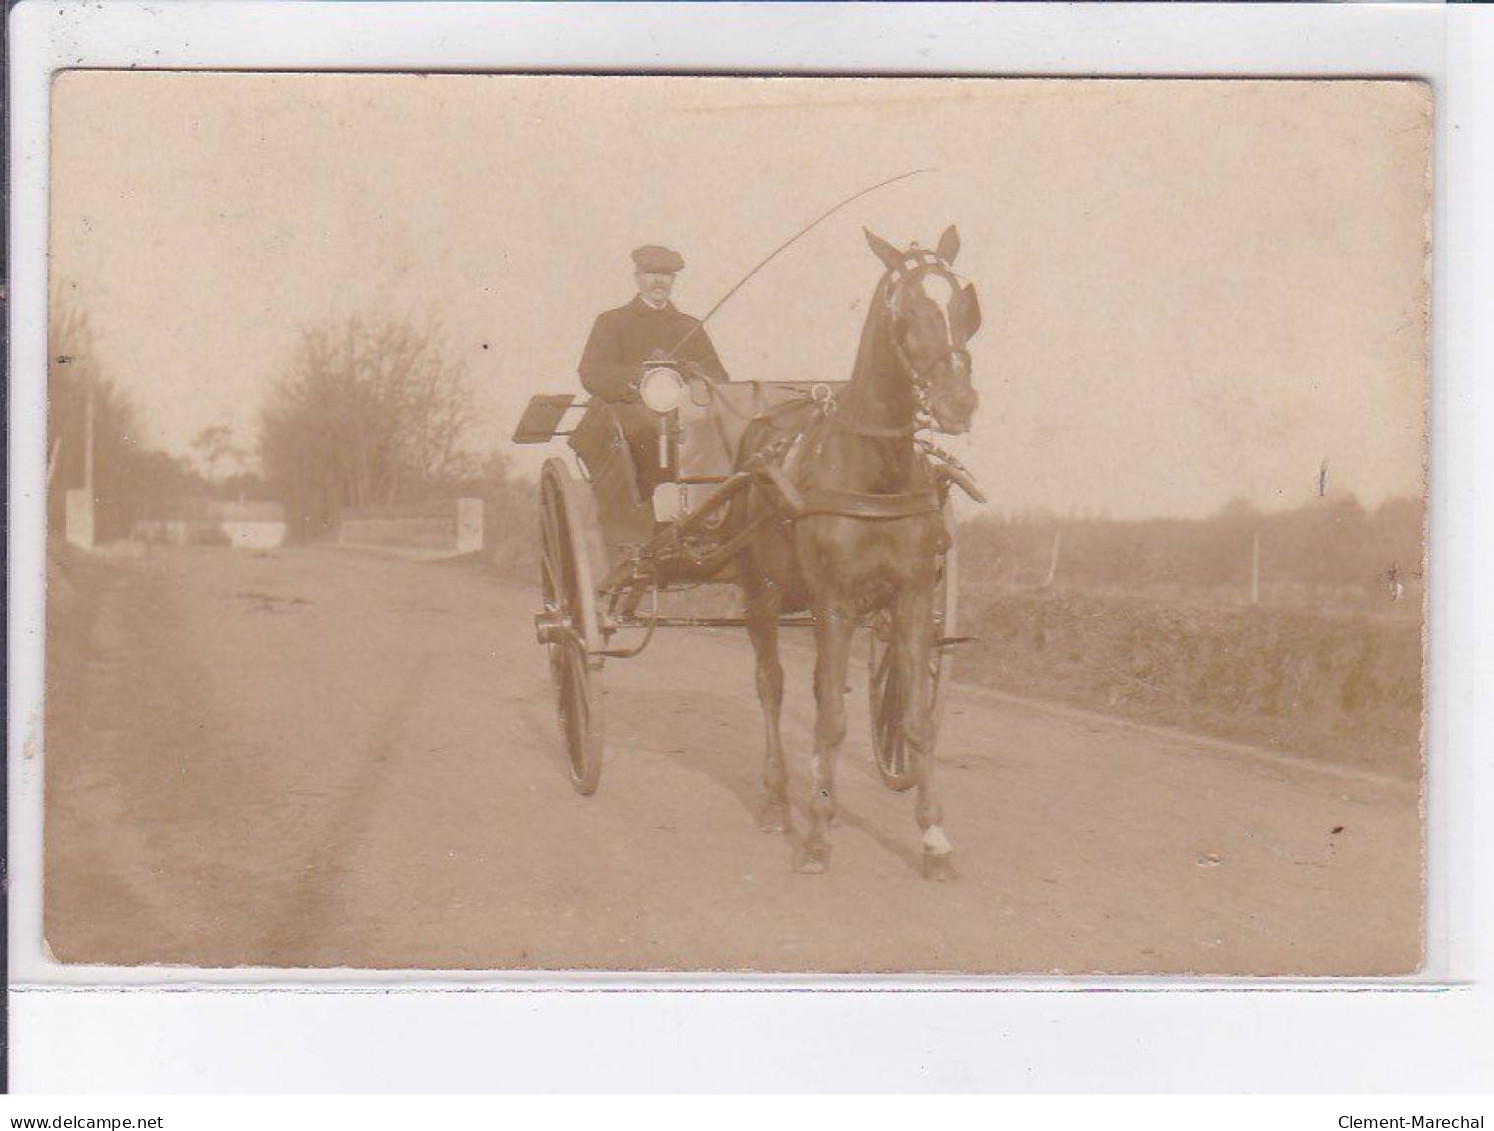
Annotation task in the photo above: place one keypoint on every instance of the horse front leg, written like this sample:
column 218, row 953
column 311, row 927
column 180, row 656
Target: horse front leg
column 833, row 630
column 762, row 609
column 913, row 644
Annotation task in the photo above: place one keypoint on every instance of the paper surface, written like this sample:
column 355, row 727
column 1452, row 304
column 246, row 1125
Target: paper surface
column 1187, row 740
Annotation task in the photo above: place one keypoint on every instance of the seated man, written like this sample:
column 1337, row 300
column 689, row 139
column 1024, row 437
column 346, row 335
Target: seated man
column 650, row 328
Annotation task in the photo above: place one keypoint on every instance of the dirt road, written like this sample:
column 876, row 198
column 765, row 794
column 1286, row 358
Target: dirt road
column 314, row 758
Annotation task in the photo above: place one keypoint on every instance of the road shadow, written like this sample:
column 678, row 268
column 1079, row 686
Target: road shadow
column 716, row 736
column 735, row 764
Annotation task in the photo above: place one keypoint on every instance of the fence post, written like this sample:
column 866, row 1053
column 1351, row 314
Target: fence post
column 1255, row 569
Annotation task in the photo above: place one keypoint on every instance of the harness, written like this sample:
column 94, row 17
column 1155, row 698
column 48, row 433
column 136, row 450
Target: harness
column 942, row 466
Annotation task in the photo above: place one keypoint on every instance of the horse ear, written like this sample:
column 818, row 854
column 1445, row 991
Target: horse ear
column 949, row 244
column 889, row 255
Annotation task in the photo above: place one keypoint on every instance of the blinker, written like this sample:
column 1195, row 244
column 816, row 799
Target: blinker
column 964, row 311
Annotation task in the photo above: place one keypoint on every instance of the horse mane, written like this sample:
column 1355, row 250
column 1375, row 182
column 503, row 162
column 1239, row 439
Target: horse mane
column 873, row 349
column 873, row 330
column 877, row 395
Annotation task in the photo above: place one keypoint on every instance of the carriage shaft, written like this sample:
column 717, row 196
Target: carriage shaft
column 624, row 572
column 705, row 622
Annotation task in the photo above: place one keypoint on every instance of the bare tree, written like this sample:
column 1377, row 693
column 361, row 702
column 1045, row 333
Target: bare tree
column 214, row 447
column 367, row 414
column 128, row 480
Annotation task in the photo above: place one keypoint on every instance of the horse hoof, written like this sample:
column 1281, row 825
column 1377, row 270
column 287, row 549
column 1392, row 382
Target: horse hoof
column 938, row 866
column 773, row 817
column 811, row 861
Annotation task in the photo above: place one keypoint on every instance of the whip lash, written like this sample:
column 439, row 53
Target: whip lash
column 804, row 231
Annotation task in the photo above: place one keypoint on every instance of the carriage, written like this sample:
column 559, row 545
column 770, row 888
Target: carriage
column 652, row 508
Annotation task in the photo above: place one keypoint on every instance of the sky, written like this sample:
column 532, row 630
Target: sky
column 1194, row 291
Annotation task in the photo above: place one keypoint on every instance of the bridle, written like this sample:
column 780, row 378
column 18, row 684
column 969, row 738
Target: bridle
column 917, row 264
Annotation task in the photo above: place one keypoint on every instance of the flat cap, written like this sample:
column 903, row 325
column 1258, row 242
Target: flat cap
column 660, row 259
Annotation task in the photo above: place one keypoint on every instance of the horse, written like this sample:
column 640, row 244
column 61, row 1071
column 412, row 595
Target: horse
column 869, row 535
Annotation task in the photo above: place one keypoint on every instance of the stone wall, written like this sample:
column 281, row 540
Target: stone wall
column 438, row 526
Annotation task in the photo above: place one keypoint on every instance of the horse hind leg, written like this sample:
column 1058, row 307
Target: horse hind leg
column 913, row 650
column 763, row 607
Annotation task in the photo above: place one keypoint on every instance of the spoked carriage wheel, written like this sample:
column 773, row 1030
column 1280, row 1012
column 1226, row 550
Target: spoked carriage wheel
column 894, row 758
column 570, row 604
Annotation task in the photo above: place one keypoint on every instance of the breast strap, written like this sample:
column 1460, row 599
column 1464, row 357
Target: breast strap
column 776, row 464
column 855, row 504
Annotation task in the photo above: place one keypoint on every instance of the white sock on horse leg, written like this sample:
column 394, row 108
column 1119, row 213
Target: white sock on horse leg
column 935, row 843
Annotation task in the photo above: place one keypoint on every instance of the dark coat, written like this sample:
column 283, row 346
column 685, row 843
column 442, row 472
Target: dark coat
column 622, row 339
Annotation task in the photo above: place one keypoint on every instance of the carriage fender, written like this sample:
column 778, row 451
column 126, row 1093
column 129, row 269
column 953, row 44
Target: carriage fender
column 597, row 554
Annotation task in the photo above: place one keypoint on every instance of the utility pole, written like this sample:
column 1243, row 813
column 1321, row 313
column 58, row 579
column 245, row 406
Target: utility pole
column 1255, row 569
column 78, row 518
column 88, row 441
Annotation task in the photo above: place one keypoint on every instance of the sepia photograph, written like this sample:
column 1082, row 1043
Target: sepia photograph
column 756, row 525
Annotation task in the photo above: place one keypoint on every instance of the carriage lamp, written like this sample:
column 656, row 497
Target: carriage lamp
column 662, row 389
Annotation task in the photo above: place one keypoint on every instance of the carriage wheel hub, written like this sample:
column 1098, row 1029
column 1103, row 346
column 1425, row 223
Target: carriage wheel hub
column 552, row 627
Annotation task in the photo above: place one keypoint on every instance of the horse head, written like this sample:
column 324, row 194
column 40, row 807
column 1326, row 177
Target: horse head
column 929, row 334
